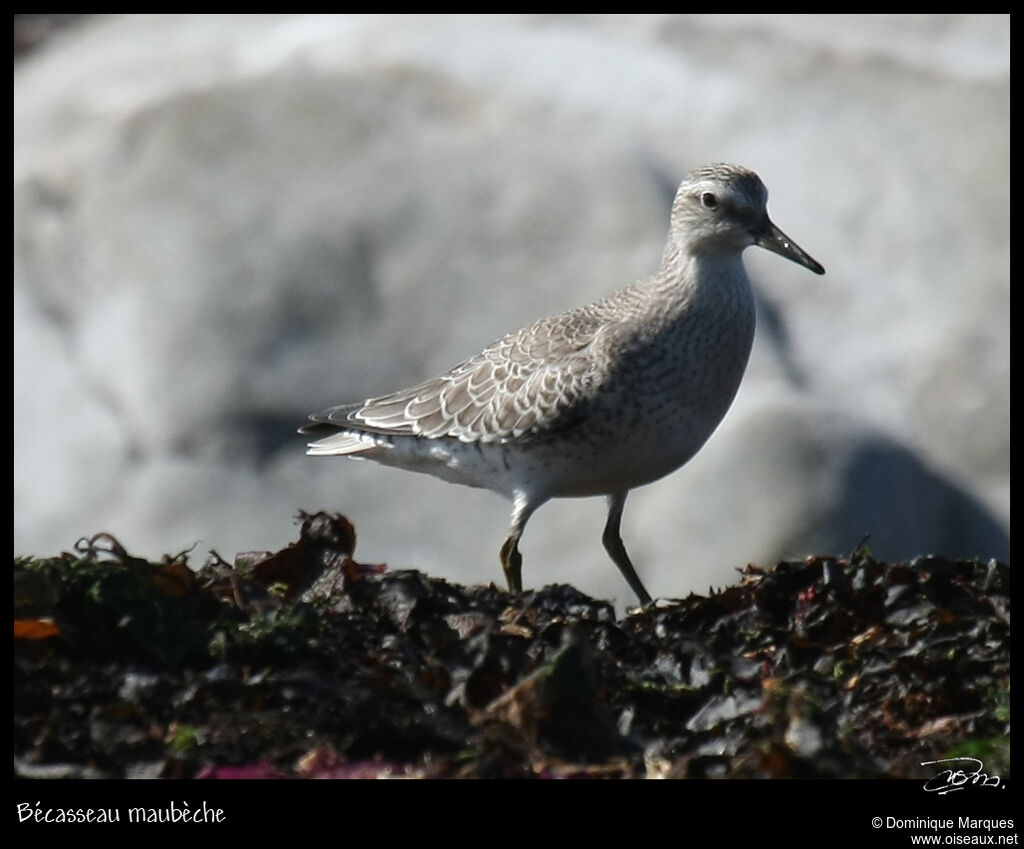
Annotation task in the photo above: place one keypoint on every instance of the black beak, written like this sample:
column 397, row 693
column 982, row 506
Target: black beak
column 774, row 240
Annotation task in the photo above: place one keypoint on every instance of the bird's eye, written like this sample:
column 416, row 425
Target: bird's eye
column 709, row 200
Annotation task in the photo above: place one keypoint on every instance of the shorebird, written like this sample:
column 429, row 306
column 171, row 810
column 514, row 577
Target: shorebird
column 598, row 400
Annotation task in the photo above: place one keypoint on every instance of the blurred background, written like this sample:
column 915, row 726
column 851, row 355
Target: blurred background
column 225, row 222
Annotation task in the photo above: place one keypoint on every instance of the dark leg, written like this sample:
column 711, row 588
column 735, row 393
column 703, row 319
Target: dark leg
column 512, row 564
column 613, row 545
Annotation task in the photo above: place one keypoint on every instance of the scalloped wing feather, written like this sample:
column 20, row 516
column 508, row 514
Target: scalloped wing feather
column 526, row 383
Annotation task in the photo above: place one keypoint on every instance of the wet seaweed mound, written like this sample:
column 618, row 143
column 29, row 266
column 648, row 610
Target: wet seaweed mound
column 306, row 663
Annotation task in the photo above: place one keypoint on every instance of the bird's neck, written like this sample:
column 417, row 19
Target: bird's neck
column 688, row 276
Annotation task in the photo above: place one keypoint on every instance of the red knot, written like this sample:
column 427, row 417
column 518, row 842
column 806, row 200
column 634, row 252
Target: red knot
column 598, row 400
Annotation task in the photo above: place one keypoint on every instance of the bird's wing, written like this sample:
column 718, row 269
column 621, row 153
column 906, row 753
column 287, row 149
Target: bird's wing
column 527, row 383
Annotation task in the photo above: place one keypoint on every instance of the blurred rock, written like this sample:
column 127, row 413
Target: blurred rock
column 813, row 480
column 223, row 223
